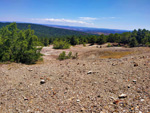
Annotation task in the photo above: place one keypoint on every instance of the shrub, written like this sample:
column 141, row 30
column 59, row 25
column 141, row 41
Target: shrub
column 69, row 55
column 63, row 56
column 147, row 44
column 18, row 45
column 109, row 45
column 61, row 45
column 30, row 57
column 133, row 42
column 84, row 44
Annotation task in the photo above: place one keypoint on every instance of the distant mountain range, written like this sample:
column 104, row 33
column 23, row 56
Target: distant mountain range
column 97, row 31
column 46, row 30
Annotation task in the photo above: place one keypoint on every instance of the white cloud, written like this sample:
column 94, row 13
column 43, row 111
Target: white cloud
column 112, row 17
column 62, row 21
column 87, row 18
column 54, row 21
column 91, row 18
column 107, row 18
column 65, row 20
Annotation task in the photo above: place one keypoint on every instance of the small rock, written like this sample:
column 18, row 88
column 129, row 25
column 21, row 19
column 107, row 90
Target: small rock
column 28, row 110
column 122, row 96
column 129, row 86
column 135, row 64
column 114, row 64
column 98, row 96
column 116, row 101
column 134, row 81
column 30, row 69
column 48, row 79
column 139, row 90
column 142, row 100
column 25, row 98
column 83, row 109
column 78, row 100
column 90, row 72
column 120, row 103
column 42, row 81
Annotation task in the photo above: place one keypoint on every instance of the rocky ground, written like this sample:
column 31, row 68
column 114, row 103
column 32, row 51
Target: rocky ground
column 90, row 84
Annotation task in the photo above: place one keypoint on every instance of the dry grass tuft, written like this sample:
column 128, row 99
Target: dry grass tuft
column 115, row 54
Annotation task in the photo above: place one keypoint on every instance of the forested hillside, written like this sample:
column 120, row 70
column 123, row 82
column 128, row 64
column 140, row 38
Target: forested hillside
column 62, row 37
column 140, row 37
column 45, row 31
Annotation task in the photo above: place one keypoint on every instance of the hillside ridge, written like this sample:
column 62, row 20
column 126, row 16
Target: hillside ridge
column 45, row 31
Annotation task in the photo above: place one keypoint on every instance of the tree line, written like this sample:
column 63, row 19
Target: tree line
column 24, row 46
column 140, row 37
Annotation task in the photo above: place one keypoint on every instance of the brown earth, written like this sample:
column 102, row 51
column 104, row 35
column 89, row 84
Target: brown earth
column 91, row 84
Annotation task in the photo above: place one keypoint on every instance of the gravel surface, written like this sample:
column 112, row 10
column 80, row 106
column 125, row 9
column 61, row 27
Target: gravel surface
column 85, row 85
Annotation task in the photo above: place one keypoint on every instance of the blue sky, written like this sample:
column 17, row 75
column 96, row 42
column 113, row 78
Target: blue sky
column 114, row 14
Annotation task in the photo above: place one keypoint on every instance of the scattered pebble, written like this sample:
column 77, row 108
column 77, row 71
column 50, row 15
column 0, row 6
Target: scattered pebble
column 25, row 98
column 30, row 69
column 134, row 81
column 121, row 88
column 28, row 110
column 129, row 86
column 122, row 96
column 135, row 64
column 42, row 81
column 142, row 100
column 90, row 72
column 78, row 100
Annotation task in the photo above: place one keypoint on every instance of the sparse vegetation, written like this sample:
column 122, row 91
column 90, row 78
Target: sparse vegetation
column 69, row 55
column 63, row 56
column 112, row 54
column 84, row 44
column 75, row 56
column 108, row 45
column 61, row 45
